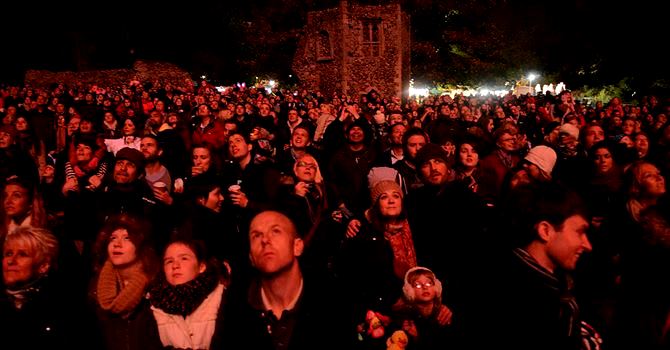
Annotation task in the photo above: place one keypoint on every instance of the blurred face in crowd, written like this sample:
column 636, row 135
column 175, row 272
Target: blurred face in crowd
column 5, row 140
column 238, row 147
column 435, row 171
column 642, row 144
column 149, row 148
column 300, row 138
column 292, row 116
column 214, row 200
column 305, row 169
column 84, row 153
column 264, row 110
column 507, row 142
column 155, row 119
column 109, row 117
column 397, row 132
column 181, row 265
column 125, row 171
column 468, row 156
column 356, row 135
column 202, row 158
column 21, row 124
column 414, row 144
column 604, row 160
column 120, row 249
column 390, row 204
column 628, row 126
column 19, row 263
column 85, row 126
column 128, row 127
column 594, row 134
column 652, row 183
column 73, row 125
column 16, row 200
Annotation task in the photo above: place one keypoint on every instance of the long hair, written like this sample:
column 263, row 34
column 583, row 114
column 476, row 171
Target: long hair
column 139, row 234
column 38, row 216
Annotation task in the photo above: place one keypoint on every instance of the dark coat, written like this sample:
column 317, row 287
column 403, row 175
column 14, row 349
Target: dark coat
column 50, row 318
column 319, row 323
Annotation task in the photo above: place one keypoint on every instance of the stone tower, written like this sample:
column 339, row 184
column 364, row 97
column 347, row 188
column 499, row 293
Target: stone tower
column 354, row 48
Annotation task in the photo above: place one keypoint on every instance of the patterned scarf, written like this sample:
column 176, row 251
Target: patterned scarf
column 402, row 244
column 121, row 290
column 183, row 299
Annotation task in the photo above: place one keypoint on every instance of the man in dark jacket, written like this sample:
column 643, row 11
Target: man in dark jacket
column 282, row 309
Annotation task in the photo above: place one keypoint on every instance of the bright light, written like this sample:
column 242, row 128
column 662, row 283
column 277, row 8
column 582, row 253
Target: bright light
column 559, row 87
column 203, row 77
column 272, row 83
column 531, row 77
column 484, row 92
column 220, row 88
column 421, row 92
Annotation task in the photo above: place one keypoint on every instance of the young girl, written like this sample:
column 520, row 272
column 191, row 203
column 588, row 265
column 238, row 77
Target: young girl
column 187, row 300
column 420, row 312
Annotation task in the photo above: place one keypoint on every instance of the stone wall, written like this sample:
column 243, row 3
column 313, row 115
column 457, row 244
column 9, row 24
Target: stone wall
column 350, row 70
column 142, row 70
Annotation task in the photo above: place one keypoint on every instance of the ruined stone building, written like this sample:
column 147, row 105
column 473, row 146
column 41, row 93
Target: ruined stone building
column 354, row 48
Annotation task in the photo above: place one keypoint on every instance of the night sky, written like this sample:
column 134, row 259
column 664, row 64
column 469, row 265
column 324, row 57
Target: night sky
column 585, row 42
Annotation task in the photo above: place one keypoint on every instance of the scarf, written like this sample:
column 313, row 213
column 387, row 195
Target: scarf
column 183, row 299
column 120, row 290
column 404, row 255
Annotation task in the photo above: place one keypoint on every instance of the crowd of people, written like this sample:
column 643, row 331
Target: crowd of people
column 296, row 220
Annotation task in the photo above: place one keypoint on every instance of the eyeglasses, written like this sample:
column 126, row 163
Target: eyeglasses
column 424, row 285
column 307, row 165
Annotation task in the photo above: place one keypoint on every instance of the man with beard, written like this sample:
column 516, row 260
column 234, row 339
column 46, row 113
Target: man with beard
column 445, row 218
column 157, row 176
column 412, row 141
column 174, row 153
column 349, row 167
column 128, row 192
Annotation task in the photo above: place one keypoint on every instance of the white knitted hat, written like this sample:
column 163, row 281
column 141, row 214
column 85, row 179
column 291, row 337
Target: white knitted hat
column 543, row 157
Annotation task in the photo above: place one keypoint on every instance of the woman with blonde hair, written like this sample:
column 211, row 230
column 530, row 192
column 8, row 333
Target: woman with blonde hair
column 36, row 311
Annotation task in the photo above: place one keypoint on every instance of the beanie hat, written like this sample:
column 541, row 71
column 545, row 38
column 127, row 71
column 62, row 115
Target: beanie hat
column 549, row 128
column 569, row 129
column 380, row 173
column 431, row 151
column 132, row 155
column 383, row 186
column 543, row 157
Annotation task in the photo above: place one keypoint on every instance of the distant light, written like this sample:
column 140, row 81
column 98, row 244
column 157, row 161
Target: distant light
column 421, row 92
column 484, row 92
column 532, row 76
column 220, row 88
column 290, row 75
column 203, row 77
column 272, row 83
column 559, row 87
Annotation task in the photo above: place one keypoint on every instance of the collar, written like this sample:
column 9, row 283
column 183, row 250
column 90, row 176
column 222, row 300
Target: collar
column 290, row 306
